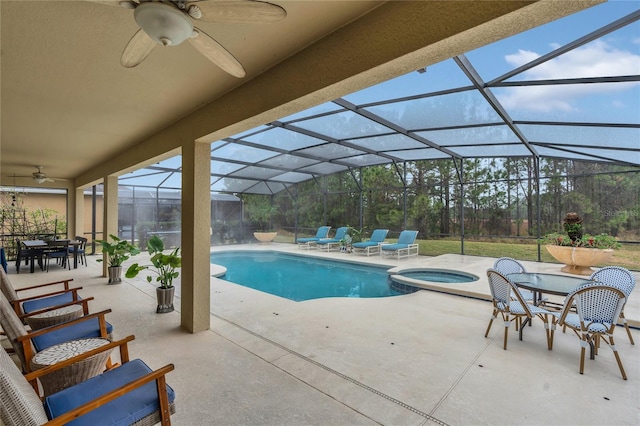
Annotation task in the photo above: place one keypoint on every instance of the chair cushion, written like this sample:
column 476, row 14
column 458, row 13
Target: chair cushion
column 378, row 235
column 407, row 237
column 88, row 328
column 364, row 244
column 573, row 320
column 124, row 410
column 328, row 240
column 307, row 240
column 394, row 247
column 46, row 302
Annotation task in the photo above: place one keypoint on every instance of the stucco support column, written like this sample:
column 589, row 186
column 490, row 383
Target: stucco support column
column 78, row 228
column 196, row 220
column 110, row 222
column 70, row 214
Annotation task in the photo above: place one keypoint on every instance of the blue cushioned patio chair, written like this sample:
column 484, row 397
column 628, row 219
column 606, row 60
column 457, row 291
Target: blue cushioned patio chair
column 623, row 280
column 129, row 394
column 45, row 309
column 373, row 245
column 26, row 343
column 509, row 303
column 309, row 242
column 405, row 247
column 592, row 311
column 329, row 243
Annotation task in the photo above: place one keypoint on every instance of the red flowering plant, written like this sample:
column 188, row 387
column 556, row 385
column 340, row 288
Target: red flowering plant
column 573, row 236
column 601, row 241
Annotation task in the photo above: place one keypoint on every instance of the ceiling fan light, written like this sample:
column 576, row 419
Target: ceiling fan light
column 39, row 179
column 163, row 23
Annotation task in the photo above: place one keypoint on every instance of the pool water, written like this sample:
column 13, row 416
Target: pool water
column 440, row 276
column 301, row 278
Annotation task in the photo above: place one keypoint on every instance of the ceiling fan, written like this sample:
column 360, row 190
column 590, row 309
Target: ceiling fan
column 40, row 176
column 169, row 23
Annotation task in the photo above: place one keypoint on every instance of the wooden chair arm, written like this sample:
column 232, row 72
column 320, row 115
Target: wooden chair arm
column 156, row 375
column 54, row 293
column 35, row 333
column 83, row 302
column 65, row 282
column 124, row 357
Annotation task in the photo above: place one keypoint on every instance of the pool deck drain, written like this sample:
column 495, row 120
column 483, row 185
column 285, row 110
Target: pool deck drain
column 324, row 367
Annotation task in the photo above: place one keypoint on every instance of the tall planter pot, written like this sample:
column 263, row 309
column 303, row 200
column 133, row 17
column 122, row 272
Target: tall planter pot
column 578, row 260
column 165, row 299
column 115, row 274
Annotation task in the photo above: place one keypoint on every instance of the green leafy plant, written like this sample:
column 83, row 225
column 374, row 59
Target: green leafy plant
column 163, row 265
column 118, row 251
column 355, row 234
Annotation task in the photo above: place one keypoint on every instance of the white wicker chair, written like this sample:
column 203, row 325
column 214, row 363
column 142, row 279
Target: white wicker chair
column 508, row 265
column 597, row 309
column 510, row 304
column 622, row 279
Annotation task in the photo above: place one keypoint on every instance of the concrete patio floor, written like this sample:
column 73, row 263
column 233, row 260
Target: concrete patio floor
column 415, row 359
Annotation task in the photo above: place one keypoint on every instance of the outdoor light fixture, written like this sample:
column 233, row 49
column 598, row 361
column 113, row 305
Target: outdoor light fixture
column 163, row 23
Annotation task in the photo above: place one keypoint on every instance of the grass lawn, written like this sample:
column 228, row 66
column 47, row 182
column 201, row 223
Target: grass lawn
column 627, row 257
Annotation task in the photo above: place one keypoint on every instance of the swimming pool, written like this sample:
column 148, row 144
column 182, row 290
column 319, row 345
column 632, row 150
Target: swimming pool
column 301, row 278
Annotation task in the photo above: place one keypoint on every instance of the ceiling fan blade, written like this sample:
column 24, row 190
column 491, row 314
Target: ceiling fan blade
column 216, row 53
column 244, row 12
column 137, row 49
column 130, row 4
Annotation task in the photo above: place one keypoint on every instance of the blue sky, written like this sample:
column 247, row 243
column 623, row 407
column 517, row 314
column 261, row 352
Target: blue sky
column 616, row 54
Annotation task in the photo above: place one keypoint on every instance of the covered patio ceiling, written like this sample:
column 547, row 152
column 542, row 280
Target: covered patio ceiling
column 507, row 99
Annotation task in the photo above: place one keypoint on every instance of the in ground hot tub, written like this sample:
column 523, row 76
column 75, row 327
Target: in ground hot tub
column 410, row 280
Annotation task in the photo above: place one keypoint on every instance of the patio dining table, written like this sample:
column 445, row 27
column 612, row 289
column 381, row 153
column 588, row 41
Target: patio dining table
column 541, row 283
column 36, row 246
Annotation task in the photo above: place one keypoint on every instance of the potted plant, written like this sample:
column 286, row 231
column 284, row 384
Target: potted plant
column 578, row 250
column 117, row 251
column 164, row 266
column 261, row 210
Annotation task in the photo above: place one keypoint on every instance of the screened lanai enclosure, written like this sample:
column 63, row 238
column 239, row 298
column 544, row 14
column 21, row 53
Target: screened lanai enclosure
column 497, row 144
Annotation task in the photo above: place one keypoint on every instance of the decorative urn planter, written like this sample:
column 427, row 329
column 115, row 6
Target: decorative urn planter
column 578, row 260
column 265, row 237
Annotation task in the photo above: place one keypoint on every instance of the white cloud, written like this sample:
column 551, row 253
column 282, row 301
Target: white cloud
column 596, row 59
